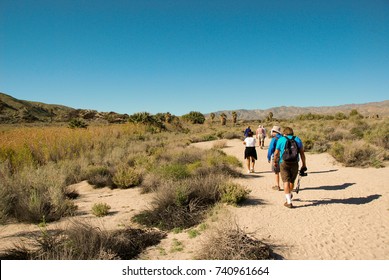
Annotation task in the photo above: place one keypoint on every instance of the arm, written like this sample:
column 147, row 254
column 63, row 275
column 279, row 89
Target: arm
column 271, row 149
column 302, row 155
column 276, row 157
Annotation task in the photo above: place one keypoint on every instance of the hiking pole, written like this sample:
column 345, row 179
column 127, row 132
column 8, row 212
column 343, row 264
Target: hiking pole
column 301, row 174
column 298, row 185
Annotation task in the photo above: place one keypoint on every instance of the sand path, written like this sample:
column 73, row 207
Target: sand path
column 340, row 213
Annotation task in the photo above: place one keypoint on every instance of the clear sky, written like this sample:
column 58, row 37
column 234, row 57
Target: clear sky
column 201, row 55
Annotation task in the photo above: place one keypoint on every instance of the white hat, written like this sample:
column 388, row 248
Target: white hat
column 276, row 128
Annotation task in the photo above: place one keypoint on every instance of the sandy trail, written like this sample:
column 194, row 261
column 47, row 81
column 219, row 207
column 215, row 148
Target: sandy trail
column 340, row 213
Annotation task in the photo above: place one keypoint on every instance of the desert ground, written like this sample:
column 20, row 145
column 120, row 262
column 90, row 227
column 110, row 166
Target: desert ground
column 340, row 213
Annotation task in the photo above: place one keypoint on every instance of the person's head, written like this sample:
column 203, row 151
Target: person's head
column 288, row 131
column 250, row 134
column 276, row 130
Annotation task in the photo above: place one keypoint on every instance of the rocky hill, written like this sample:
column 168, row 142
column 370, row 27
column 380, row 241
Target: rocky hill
column 13, row 110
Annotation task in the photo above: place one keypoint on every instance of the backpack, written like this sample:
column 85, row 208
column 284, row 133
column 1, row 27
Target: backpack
column 291, row 151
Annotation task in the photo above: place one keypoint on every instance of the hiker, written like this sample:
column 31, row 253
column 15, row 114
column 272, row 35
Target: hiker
column 250, row 153
column 261, row 135
column 275, row 134
column 246, row 132
column 289, row 149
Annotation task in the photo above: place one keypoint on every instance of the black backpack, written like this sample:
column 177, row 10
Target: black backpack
column 291, row 151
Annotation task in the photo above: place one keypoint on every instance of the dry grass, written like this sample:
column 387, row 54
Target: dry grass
column 228, row 241
column 84, row 242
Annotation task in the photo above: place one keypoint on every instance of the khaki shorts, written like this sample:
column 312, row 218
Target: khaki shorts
column 289, row 171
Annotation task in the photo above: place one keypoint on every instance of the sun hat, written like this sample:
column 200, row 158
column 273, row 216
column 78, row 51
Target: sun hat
column 276, row 128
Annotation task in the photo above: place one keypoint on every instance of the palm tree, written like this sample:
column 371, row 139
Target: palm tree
column 168, row 117
column 234, row 117
column 270, row 116
column 212, row 115
column 223, row 118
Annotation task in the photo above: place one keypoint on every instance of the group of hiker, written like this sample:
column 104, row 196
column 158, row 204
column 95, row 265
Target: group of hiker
column 285, row 151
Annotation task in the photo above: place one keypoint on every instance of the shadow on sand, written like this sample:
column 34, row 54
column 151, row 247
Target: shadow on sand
column 320, row 172
column 349, row 201
column 330, row 188
column 252, row 202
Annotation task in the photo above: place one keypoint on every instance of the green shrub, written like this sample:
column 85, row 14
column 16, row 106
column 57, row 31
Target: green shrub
column 77, row 123
column 173, row 171
column 126, row 177
column 33, row 194
column 194, row 117
column 357, row 154
column 100, row 209
column 99, row 176
column 232, row 193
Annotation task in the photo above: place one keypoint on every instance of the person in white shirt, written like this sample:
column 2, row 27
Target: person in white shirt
column 250, row 153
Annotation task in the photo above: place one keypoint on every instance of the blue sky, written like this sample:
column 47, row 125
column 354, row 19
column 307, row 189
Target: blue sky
column 182, row 56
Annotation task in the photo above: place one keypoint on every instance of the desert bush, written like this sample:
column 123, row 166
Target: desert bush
column 34, row 194
column 232, row 193
column 173, row 171
column 126, row 177
column 77, row 123
column 100, row 209
column 379, row 134
column 356, row 153
column 219, row 144
column 99, row 176
column 230, row 242
column 84, row 242
column 153, row 123
column 182, row 204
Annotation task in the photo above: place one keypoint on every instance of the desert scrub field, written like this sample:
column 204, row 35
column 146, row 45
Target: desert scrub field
column 351, row 140
column 38, row 163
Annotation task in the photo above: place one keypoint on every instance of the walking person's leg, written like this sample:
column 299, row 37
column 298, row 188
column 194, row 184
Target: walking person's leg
column 248, row 164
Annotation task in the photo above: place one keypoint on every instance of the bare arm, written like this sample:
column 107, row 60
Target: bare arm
column 276, row 157
column 302, row 155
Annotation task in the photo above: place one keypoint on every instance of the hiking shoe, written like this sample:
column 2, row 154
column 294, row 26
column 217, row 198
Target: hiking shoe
column 276, row 188
column 288, row 205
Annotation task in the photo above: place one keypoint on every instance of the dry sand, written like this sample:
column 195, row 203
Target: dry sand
column 340, row 213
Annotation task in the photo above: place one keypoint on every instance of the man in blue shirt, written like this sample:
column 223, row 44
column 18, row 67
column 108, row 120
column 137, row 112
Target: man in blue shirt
column 246, row 132
column 276, row 134
column 289, row 170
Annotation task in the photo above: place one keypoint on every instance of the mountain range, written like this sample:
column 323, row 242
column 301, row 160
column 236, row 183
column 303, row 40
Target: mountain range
column 375, row 109
column 13, row 110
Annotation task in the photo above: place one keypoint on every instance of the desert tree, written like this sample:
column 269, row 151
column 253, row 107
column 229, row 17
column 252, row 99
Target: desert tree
column 270, row 117
column 212, row 115
column 194, row 117
column 223, row 118
column 234, row 117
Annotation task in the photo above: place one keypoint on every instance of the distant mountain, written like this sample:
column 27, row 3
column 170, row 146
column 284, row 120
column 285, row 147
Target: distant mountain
column 285, row 112
column 13, row 110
